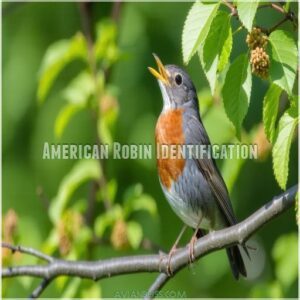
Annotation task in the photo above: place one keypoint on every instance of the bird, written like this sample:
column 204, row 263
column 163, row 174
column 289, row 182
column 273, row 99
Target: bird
column 194, row 187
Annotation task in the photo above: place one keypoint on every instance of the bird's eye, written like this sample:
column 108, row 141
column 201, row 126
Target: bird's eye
column 178, row 79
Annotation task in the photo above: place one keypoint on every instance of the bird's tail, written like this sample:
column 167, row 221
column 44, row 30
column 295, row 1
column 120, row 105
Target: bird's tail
column 236, row 261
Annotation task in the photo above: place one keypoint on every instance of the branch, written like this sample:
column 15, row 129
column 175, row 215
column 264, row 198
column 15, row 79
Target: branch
column 27, row 250
column 95, row 270
column 288, row 16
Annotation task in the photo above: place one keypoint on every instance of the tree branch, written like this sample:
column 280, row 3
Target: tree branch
column 288, row 16
column 95, row 270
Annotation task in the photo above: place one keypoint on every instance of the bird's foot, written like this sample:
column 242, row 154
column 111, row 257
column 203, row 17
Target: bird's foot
column 191, row 249
column 169, row 268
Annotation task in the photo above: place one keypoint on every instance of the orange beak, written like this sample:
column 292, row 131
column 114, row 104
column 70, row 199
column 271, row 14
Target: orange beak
column 162, row 74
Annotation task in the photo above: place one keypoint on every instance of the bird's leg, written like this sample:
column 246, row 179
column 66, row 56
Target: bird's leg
column 173, row 250
column 192, row 242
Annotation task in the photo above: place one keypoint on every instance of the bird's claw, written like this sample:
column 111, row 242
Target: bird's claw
column 192, row 250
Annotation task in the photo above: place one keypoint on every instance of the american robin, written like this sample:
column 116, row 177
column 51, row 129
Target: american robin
column 193, row 187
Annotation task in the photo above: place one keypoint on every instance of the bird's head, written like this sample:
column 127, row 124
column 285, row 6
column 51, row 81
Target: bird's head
column 175, row 84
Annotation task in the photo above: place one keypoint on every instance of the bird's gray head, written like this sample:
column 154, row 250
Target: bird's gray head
column 176, row 86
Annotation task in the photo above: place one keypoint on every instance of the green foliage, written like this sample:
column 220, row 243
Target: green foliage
column 217, row 45
column 135, row 234
column 281, row 149
column 81, row 172
column 247, row 11
column 105, row 221
column 284, row 60
column 63, row 118
column 56, row 58
column 105, row 48
column 226, row 50
column 135, row 200
column 270, row 110
column 80, row 89
column 237, row 90
column 196, row 27
column 207, row 29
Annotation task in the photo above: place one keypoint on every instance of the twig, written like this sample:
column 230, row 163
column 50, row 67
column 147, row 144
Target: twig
column 270, row 30
column 40, row 288
column 289, row 16
column 231, row 7
column 158, row 283
column 95, row 270
column 27, row 250
column 278, row 8
column 116, row 11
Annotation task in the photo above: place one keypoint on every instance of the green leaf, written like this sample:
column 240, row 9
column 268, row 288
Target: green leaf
column 281, row 149
column 144, row 202
column 283, row 59
column 81, row 172
column 135, row 234
column 270, row 110
column 225, row 54
column 56, row 58
column 109, row 193
column 211, row 50
column 136, row 200
column 237, row 90
column 51, row 243
column 64, row 117
column 106, row 122
column 247, row 11
column 196, row 27
column 286, row 267
column 105, row 46
column 80, row 89
column 106, row 220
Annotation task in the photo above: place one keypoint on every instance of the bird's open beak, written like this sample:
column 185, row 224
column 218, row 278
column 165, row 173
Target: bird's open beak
column 162, row 75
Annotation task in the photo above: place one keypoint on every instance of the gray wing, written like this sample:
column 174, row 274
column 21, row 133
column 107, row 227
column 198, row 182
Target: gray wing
column 195, row 133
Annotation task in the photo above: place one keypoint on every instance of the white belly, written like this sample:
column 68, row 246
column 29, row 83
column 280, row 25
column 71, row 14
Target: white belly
column 185, row 212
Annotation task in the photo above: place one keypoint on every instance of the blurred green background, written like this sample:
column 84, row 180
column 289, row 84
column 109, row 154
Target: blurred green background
column 31, row 183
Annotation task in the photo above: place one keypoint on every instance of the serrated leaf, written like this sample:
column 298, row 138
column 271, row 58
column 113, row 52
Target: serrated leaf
column 283, row 59
column 211, row 49
column 270, row 110
column 81, row 172
column 134, row 234
column 56, row 58
column 281, row 149
column 246, row 11
column 196, row 27
column 225, row 54
column 107, row 219
column 63, row 118
column 237, row 90
column 286, row 266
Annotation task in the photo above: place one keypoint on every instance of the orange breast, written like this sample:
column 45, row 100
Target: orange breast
column 169, row 132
